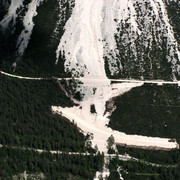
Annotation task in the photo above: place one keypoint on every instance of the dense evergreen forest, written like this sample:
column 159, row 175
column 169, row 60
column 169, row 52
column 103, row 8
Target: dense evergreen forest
column 157, row 156
column 148, row 110
column 26, row 118
column 134, row 170
column 165, row 165
column 14, row 162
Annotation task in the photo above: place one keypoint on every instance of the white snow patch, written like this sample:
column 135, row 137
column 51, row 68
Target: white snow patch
column 89, row 36
column 82, row 41
column 28, row 23
column 102, row 175
column 12, row 13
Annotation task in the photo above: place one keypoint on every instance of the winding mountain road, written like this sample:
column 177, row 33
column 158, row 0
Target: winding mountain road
column 158, row 82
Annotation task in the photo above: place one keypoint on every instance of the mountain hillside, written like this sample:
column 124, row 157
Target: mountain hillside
column 125, row 39
column 84, row 80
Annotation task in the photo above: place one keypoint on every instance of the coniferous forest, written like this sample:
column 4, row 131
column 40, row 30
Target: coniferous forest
column 150, row 110
column 30, row 133
column 15, row 162
column 26, row 118
column 134, row 170
column 26, row 121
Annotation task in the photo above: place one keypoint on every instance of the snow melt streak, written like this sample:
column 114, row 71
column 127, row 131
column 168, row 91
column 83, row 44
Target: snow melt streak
column 28, row 23
column 12, row 13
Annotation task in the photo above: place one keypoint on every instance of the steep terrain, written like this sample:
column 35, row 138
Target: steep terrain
column 92, row 39
column 127, row 35
column 122, row 39
column 101, row 54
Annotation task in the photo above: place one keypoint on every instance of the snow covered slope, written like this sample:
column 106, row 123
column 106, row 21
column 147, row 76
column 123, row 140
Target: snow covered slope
column 118, row 38
column 24, row 37
column 12, row 13
column 123, row 33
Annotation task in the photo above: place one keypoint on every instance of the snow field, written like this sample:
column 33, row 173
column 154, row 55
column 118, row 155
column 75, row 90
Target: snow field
column 90, row 35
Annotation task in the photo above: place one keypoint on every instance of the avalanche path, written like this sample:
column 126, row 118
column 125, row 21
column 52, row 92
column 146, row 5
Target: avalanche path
column 89, row 37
